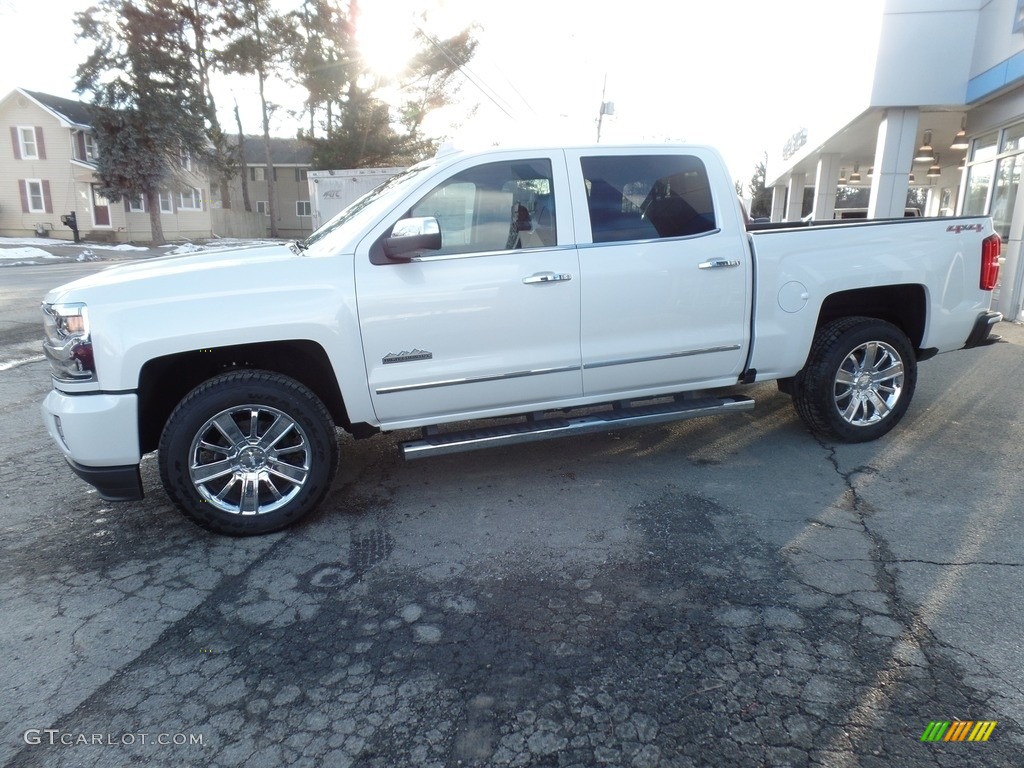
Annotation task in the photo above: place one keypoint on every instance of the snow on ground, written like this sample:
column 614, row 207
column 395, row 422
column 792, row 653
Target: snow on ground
column 16, row 251
column 25, row 253
column 37, row 241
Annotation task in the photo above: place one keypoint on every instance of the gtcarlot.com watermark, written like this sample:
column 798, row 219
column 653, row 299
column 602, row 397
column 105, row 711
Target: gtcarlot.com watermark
column 56, row 737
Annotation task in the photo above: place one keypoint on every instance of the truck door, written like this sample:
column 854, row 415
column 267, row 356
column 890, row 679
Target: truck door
column 666, row 286
column 488, row 321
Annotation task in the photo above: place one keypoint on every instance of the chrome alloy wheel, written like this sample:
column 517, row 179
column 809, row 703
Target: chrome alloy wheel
column 868, row 384
column 249, row 459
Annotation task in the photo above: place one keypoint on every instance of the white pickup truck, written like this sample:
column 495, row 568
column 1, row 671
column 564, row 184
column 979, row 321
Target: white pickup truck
column 577, row 289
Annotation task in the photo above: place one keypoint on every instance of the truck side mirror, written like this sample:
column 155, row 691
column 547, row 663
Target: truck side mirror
column 411, row 237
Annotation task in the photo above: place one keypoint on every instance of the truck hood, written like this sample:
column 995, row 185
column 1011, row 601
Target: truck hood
column 250, row 260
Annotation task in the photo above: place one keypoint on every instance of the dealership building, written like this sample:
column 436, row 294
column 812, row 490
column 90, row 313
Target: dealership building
column 945, row 113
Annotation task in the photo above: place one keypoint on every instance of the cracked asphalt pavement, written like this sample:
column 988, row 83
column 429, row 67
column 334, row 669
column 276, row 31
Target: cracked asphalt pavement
column 721, row 592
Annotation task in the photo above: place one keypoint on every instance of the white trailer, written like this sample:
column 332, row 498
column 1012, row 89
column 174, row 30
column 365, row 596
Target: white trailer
column 330, row 192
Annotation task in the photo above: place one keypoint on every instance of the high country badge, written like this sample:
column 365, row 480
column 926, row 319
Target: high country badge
column 406, row 357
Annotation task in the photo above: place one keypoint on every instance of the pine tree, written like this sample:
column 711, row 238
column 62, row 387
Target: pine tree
column 201, row 18
column 256, row 39
column 359, row 127
column 760, row 198
column 146, row 107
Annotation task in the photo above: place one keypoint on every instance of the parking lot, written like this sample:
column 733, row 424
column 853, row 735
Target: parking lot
column 720, row 592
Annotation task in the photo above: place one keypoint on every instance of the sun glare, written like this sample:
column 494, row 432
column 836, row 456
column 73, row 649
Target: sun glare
column 385, row 35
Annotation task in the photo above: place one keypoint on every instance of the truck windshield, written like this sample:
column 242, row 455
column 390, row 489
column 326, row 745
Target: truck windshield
column 323, row 234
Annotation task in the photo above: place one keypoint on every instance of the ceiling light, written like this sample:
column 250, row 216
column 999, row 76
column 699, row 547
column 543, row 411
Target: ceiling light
column 935, row 170
column 855, row 176
column 960, row 140
column 925, row 153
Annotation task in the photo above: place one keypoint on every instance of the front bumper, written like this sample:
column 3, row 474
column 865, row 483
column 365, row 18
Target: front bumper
column 98, row 434
column 980, row 334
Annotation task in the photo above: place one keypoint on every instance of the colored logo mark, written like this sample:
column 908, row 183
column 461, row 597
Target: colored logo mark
column 958, row 730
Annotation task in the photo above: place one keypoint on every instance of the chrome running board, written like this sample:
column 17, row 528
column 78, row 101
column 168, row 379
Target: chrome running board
column 541, row 427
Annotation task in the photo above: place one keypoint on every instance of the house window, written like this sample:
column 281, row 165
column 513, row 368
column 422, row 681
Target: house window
column 92, row 152
column 303, row 208
column 263, row 206
column 166, row 203
column 186, row 160
column 135, row 204
column 191, row 199
column 36, row 198
column 259, row 173
column 27, row 143
column 301, row 174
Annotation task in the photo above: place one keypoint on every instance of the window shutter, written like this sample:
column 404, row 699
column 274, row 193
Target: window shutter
column 252, row 171
column 40, row 146
column 127, row 205
column 47, row 200
column 16, row 143
column 23, row 191
column 80, row 145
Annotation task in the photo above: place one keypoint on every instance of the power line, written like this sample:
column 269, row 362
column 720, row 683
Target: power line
column 471, row 76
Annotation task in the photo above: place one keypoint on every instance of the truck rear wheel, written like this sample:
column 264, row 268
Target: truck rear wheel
column 858, row 381
column 248, row 452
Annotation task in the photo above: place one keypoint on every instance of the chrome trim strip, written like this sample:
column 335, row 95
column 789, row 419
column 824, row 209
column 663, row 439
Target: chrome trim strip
column 678, row 238
column 482, row 254
column 669, row 356
column 475, row 379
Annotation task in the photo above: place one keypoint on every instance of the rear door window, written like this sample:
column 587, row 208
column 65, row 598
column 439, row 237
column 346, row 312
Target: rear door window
column 645, row 197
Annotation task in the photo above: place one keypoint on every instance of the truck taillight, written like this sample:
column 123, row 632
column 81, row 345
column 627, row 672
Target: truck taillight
column 991, row 247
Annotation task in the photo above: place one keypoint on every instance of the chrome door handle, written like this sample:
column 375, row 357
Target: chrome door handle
column 718, row 264
column 546, row 277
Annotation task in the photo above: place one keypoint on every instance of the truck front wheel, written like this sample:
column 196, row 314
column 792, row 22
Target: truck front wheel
column 248, row 452
column 858, row 381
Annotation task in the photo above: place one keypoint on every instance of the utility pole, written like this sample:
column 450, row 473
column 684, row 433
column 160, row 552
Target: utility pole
column 607, row 108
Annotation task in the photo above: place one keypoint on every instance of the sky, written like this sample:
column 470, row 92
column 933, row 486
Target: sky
column 740, row 75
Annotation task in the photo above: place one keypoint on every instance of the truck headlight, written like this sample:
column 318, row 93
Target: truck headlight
column 68, row 345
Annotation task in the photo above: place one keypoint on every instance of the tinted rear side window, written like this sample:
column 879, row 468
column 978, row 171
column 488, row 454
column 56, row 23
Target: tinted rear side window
column 643, row 197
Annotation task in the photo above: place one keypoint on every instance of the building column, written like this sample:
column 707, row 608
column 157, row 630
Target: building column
column 825, row 187
column 894, row 160
column 795, row 204
column 778, row 202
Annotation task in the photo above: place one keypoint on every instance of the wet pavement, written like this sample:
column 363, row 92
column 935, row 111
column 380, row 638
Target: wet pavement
column 722, row 592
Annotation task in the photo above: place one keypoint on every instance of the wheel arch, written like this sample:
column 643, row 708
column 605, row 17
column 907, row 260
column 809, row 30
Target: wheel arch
column 164, row 381
column 905, row 306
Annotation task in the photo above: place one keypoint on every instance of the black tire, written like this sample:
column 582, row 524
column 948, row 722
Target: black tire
column 858, row 381
column 248, row 452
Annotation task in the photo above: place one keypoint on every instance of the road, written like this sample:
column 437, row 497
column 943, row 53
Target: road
column 721, row 592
